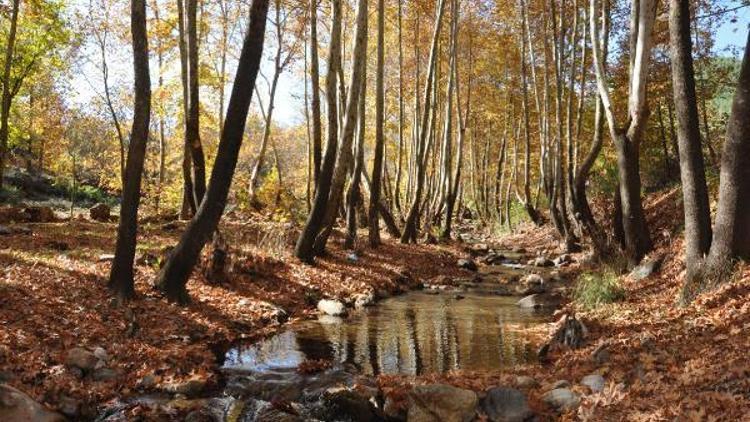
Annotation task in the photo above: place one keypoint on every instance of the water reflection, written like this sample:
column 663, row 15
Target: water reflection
column 412, row 334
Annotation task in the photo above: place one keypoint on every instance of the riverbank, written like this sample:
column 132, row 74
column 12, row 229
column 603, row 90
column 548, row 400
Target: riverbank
column 53, row 300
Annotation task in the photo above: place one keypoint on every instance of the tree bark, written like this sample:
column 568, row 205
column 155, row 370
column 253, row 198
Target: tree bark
column 6, row 99
column 695, row 192
column 192, row 130
column 175, row 273
column 317, row 131
column 377, row 165
column 121, row 275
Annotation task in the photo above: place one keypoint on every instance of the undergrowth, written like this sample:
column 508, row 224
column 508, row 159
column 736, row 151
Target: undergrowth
column 598, row 288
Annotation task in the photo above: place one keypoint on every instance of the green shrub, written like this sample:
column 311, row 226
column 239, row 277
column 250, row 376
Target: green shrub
column 596, row 289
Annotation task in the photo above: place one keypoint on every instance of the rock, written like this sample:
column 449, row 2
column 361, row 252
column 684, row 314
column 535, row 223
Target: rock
column 364, row 300
column 562, row 399
column 478, row 249
column 525, row 381
column 531, row 284
column 69, row 407
column 600, row 355
column 428, row 403
column 101, row 354
column 5, row 231
column 100, row 212
column 106, row 258
column 190, row 388
column 147, row 382
column 504, row 404
column 344, row 404
column 467, row 264
column 594, row 382
column 81, row 359
column 15, row 405
column 392, row 411
column 647, row 268
column 541, row 262
column 570, row 332
column 352, row 257
column 535, row 301
column 332, row 307
column 105, row 374
column 39, row 214
column 562, row 260
column 560, row 384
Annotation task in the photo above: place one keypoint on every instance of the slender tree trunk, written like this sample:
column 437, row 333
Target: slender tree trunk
column 188, row 198
column 354, row 194
column 6, row 99
column 377, row 166
column 399, row 164
column 317, row 131
column 174, row 275
column 192, row 132
column 695, row 192
column 345, row 156
column 121, row 275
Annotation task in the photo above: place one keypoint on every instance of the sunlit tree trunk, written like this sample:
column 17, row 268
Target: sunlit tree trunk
column 317, row 131
column 176, row 271
column 7, row 98
column 377, row 164
column 121, row 275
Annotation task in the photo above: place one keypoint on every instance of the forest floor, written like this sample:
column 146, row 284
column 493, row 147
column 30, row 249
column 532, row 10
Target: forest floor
column 666, row 362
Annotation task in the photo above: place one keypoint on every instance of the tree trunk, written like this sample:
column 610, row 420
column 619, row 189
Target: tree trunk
column 377, row 165
column 188, row 198
column 175, row 273
column 192, row 129
column 6, row 99
column 317, row 131
column 695, row 192
column 304, row 248
column 121, row 275
column 354, row 194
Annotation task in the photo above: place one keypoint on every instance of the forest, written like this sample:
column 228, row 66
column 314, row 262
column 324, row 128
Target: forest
column 374, row 210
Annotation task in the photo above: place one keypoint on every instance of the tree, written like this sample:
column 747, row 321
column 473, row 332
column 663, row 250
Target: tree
column 176, row 271
column 377, row 164
column 628, row 139
column 6, row 98
column 317, row 131
column 121, row 274
column 695, row 192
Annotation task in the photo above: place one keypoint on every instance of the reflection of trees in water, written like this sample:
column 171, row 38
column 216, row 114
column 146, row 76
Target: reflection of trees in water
column 409, row 336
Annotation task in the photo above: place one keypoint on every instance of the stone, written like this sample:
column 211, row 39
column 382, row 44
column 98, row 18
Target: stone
column 531, row 284
column 562, row 399
column 345, row 404
column 538, row 300
column 467, row 264
column 600, row 355
column 436, row 403
column 39, row 214
column 363, row 300
column 81, row 358
column 106, row 257
column 147, row 382
column 16, row 405
column 562, row 260
column 189, row 388
column 101, row 354
column 69, row 407
column 332, row 307
column 105, row 374
column 541, row 262
column 560, row 384
column 392, row 411
column 646, row 268
column 5, row 231
column 504, row 404
column 525, row 381
column 352, row 257
column 100, row 212
column 594, row 382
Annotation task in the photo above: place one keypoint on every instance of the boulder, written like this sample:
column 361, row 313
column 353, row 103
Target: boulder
column 467, row 264
column 535, row 301
column 332, row 307
column 594, row 382
column 504, row 404
column 39, row 214
column 647, row 268
column 435, row 403
column 525, row 381
column 81, row 358
column 100, row 212
column 345, row 404
column 562, row 399
column 15, row 405
column 531, row 284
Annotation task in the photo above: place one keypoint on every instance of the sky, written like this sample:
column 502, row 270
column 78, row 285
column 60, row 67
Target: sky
column 289, row 110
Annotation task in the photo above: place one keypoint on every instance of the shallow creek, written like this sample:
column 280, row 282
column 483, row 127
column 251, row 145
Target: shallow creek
column 417, row 333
